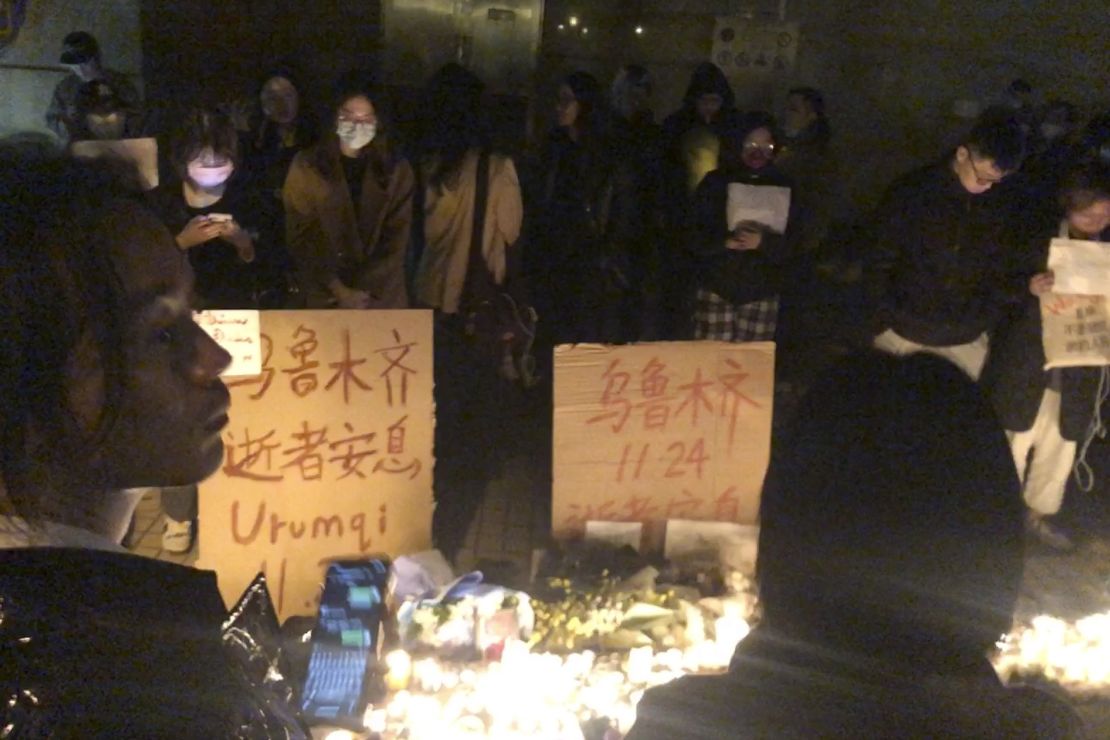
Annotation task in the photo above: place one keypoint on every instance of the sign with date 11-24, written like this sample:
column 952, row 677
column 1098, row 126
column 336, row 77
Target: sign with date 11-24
column 660, row 431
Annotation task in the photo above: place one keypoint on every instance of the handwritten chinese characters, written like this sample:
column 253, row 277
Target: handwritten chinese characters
column 1076, row 330
column 328, row 453
column 660, row 431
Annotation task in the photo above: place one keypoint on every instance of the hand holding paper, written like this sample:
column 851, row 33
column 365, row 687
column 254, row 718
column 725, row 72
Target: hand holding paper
column 1080, row 267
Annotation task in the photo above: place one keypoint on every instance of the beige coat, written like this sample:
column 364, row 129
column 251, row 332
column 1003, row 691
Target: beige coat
column 328, row 240
column 449, row 223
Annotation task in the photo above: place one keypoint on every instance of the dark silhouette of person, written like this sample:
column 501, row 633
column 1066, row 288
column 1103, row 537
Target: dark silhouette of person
column 890, row 560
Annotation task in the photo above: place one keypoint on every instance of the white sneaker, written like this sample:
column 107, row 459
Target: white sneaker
column 177, row 537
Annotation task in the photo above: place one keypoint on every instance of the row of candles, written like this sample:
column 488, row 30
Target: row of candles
column 1073, row 654
column 544, row 695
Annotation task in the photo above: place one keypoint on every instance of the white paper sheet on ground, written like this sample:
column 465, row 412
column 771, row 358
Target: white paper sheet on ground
column 237, row 332
column 143, row 153
column 617, row 534
column 763, row 204
column 1081, row 267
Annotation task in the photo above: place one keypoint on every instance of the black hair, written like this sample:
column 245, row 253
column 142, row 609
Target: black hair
column 813, row 98
column 59, row 289
column 999, row 136
column 891, row 516
column 591, row 103
column 325, row 156
column 732, row 141
column 708, row 79
column 1084, row 186
column 453, row 123
column 304, row 125
column 203, row 129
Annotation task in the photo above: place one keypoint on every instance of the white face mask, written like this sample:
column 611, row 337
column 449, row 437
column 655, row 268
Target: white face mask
column 356, row 135
column 105, row 127
column 210, row 177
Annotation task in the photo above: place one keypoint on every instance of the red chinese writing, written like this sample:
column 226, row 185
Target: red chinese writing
column 348, row 369
column 318, row 453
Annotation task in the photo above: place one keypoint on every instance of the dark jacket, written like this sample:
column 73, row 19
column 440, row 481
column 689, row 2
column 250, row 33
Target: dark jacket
column 939, row 268
column 738, row 276
column 683, row 131
column 100, row 644
column 576, row 200
column 222, row 279
column 1014, row 376
column 778, row 688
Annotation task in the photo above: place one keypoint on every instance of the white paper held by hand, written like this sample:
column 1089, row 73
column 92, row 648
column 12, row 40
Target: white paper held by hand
column 237, row 332
column 763, row 204
column 1080, row 267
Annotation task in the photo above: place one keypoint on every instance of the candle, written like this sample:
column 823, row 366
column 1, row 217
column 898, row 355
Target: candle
column 398, row 670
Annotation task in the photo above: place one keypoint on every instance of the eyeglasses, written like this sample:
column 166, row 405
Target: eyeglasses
column 753, row 146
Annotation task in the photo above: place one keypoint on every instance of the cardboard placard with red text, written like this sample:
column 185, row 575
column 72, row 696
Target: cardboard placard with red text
column 1075, row 330
column 328, row 454
column 658, row 431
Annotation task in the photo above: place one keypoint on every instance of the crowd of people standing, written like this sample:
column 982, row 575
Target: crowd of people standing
column 620, row 229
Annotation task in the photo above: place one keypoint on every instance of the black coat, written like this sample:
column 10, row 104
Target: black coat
column 780, row 688
column 119, row 646
column 737, row 276
column 1015, row 379
column 222, row 279
column 938, row 264
column 1014, row 376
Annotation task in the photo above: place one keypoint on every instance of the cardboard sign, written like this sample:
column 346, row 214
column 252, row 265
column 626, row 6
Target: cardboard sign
column 1075, row 330
column 1080, row 267
column 237, row 332
column 142, row 153
column 669, row 430
column 328, row 454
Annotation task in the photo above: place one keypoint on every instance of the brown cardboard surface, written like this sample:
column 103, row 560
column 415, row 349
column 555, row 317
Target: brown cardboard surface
column 657, row 431
column 1075, row 330
column 328, row 453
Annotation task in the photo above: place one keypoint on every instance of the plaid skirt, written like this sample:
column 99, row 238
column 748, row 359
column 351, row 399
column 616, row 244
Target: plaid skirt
column 717, row 318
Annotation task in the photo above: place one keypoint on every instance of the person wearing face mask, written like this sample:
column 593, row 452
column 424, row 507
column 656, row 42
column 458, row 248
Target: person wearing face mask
column 213, row 215
column 739, row 268
column 348, row 208
column 216, row 222
column 81, row 55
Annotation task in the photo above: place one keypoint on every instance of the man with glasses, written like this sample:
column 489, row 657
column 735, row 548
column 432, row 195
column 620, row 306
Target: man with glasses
column 938, row 249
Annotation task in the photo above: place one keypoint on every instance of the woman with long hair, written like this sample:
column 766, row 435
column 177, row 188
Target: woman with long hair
column 348, row 207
